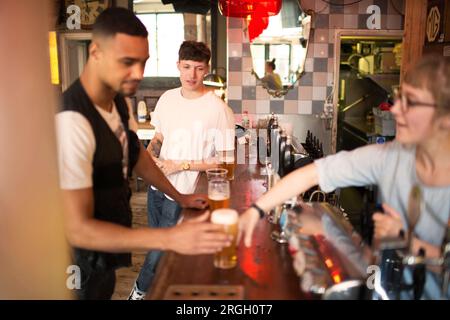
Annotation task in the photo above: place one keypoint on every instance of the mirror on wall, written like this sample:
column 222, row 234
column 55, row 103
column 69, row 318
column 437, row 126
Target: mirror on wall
column 279, row 52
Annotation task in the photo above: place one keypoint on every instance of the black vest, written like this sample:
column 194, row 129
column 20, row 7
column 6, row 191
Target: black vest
column 111, row 190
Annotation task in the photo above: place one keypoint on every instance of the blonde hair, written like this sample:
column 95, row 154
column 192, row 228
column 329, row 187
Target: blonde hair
column 432, row 73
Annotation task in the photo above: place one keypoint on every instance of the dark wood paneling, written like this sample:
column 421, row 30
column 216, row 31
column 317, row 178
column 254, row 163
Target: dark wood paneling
column 414, row 37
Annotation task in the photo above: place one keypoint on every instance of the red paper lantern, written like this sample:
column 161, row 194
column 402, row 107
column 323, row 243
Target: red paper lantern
column 256, row 26
column 244, row 8
column 257, row 13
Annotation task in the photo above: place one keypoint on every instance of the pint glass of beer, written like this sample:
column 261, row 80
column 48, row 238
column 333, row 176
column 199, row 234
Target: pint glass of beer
column 228, row 218
column 228, row 164
column 218, row 194
column 216, row 173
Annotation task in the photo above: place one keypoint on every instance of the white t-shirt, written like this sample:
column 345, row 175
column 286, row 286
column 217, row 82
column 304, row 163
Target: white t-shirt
column 193, row 129
column 76, row 146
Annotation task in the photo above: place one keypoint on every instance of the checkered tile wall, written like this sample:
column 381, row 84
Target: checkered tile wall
column 316, row 84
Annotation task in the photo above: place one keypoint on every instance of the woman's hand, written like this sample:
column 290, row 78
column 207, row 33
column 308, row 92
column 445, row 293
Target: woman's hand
column 197, row 236
column 387, row 225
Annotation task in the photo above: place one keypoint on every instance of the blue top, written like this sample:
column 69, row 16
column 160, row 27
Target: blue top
column 391, row 167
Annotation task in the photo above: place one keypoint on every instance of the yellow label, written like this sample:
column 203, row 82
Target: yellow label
column 53, row 57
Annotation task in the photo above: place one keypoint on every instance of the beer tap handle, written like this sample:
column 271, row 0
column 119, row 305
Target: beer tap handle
column 414, row 208
column 446, row 263
column 446, row 276
column 419, row 275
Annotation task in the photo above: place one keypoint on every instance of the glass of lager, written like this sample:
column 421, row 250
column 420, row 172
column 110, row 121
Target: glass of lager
column 216, row 173
column 228, row 218
column 218, row 194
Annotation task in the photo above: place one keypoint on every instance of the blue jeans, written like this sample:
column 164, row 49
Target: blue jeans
column 162, row 213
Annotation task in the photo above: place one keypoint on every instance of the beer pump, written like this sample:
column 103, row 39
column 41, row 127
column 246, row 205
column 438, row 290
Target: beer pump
column 446, row 263
column 396, row 255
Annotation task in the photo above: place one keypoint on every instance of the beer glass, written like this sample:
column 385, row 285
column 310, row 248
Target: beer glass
column 227, row 162
column 228, row 218
column 218, row 194
column 216, row 173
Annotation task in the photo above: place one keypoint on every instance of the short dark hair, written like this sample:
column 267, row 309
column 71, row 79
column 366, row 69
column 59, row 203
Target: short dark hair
column 271, row 63
column 195, row 51
column 118, row 20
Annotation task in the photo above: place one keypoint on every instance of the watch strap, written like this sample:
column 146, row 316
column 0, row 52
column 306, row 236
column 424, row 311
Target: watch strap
column 260, row 211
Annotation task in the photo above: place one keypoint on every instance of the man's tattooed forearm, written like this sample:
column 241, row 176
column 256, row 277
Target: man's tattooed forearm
column 155, row 148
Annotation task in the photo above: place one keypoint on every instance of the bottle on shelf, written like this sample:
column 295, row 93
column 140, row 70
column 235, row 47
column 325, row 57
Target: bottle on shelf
column 320, row 152
column 308, row 139
column 142, row 111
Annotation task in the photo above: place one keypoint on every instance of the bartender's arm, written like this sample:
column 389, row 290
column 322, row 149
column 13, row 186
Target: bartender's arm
column 293, row 184
column 345, row 168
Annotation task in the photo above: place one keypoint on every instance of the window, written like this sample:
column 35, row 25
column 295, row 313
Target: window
column 165, row 35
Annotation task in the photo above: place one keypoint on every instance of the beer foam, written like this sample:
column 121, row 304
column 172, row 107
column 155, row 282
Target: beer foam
column 224, row 216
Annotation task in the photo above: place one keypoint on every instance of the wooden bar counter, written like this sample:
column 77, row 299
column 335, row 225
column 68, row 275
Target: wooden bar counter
column 264, row 270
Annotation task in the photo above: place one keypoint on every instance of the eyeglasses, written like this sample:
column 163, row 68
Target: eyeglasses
column 406, row 103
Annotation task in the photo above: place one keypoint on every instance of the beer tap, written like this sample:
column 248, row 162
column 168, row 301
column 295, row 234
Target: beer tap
column 281, row 149
column 308, row 140
column 446, row 263
column 414, row 204
column 316, row 149
column 272, row 179
column 275, row 132
column 419, row 267
column 269, row 129
column 418, row 261
column 288, row 156
column 419, row 275
column 320, row 151
column 397, row 253
column 313, row 147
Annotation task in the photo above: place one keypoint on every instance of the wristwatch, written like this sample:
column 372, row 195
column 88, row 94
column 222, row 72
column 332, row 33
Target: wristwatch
column 260, row 211
column 185, row 166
